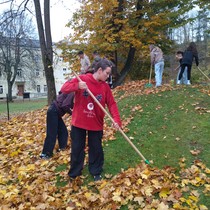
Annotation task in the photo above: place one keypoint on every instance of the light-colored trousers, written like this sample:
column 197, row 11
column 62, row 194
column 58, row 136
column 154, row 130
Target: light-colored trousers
column 159, row 67
column 184, row 76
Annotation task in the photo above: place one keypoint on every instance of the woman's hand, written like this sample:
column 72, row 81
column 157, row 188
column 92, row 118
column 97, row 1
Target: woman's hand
column 116, row 126
column 82, row 85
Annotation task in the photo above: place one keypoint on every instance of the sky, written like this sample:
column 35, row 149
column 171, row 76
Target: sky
column 61, row 11
column 60, row 14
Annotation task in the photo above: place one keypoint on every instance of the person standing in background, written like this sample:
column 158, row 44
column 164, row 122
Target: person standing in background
column 179, row 57
column 157, row 61
column 189, row 54
column 84, row 61
column 96, row 59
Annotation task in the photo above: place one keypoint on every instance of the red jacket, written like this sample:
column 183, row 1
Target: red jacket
column 86, row 113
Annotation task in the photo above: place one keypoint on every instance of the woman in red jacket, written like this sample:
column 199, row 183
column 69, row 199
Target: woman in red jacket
column 88, row 118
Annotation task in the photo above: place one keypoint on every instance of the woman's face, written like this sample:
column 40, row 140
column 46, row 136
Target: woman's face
column 81, row 56
column 104, row 74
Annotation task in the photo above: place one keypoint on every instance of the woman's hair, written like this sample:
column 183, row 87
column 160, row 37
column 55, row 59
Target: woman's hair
column 192, row 47
column 103, row 63
column 80, row 53
column 179, row 52
column 151, row 47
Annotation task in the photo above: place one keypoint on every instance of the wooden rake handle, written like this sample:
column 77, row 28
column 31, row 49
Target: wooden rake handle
column 203, row 73
column 121, row 131
column 177, row 67
column 150, row 74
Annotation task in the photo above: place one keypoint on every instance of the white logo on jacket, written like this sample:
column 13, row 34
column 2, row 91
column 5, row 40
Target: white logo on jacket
column 90, row 106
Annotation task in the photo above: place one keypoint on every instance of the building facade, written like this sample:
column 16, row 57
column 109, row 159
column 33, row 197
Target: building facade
column 32, row 80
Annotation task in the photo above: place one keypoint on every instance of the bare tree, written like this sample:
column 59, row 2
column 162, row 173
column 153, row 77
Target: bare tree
column 15, row 37
column 44, row 31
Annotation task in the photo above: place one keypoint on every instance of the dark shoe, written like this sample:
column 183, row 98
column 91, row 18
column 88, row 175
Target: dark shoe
column 61, row 149
column 97, row 178
column 71, row 179
column 45, row 156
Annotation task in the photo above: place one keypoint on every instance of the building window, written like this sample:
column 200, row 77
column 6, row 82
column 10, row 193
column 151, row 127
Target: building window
column 1, row 89
column 19, row 72
column 45, row 88
column 43, row 73
column 36, row 59
column 37, row 72
column 60, row 58
column 38, row 88
column 64, row 70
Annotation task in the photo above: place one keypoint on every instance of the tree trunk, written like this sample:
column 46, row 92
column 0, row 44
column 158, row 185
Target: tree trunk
column 126, row 68
column 46, row 47
column 8, row 71
column 9, row 91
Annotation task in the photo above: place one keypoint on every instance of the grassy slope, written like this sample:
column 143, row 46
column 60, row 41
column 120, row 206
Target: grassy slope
column 169, row 126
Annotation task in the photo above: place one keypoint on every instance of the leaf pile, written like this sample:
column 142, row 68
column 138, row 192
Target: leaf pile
column 139, row 88
column 144, row 187
column 27, row 182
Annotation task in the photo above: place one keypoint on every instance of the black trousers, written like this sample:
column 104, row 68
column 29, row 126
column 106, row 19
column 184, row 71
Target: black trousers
column 189, row 67
column 56, row 128
column 95, row 151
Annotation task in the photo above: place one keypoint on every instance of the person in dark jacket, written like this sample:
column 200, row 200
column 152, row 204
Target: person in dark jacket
column 179, row 57
column 55, row 125
column 190, row 54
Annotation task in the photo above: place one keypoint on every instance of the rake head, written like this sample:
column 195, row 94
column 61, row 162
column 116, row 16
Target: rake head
column 148, row 85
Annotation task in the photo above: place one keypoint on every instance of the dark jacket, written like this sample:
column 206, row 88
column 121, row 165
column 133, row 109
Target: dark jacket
column 64, row 103
column 188, row 58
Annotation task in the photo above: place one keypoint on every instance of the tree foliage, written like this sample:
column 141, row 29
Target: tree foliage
column 122, row 29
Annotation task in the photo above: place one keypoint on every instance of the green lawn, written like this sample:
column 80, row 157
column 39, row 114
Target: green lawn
column 171, row 124
column 20, row 106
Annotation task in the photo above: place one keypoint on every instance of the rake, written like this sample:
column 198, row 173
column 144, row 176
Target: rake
column 203, row 73
column 121, row 131
column 150, row 75
column 177, row 68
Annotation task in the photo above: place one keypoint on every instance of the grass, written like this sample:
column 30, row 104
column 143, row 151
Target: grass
column 20, row 106
column 167, row 129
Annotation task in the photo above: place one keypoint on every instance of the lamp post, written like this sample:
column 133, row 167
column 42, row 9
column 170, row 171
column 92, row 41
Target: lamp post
column 7, row 108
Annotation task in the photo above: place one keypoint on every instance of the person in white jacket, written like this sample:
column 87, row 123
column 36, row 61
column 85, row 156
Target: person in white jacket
column 158, row 62
column 84, row 61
